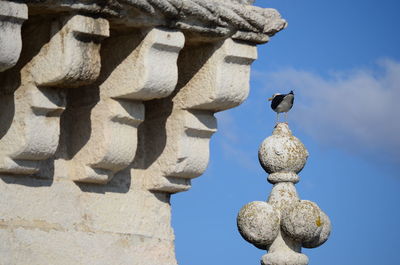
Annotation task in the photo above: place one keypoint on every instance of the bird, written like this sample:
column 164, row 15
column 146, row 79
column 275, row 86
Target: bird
column 282, row 103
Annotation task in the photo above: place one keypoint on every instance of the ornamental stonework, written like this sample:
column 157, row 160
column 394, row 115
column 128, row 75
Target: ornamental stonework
column 283, row 224
column 101, row 106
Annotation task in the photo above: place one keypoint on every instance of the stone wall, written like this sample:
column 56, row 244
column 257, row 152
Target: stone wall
column 106, row 109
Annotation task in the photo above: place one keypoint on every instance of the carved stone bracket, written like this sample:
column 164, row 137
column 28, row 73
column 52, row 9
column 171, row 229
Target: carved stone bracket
column 147, row 69
column 217, row 80
column 12, row 15
column 70, row 58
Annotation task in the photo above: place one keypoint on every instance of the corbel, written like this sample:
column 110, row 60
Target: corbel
column 139, row 65
column 212, row 77
column 12, row 15
column 69, row 58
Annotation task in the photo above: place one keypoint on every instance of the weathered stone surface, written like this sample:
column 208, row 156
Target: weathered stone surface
column 63, row 222
column 106, row 109
column 282, row 152
column 204, row 19
column 301, row 223
column 115, row 118
column 323, row 235
column 184, row 122
column 78, row 62
column 37, row 247
column 31, row 132
column 258, row 223
column 284, row 256
column 12, row 15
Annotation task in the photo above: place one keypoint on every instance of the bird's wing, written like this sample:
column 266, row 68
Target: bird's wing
column 276, row 101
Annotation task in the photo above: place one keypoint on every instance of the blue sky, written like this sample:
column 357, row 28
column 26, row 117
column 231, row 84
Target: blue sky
column 343, row 60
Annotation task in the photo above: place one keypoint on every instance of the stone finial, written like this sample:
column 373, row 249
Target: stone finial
column 284, row 223
column 282, row 155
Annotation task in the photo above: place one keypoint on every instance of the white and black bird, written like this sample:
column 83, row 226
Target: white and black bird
column 282, row 103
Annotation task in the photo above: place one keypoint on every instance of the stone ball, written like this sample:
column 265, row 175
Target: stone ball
column 258, row 223
column 282, row 152
column 302, row 221
column 323, row 235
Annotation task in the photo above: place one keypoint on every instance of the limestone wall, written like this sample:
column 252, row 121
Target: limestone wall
column 102, row 104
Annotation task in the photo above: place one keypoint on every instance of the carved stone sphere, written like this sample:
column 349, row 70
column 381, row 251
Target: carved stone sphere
column 323, row 235
column 258, row 223
column 282, row 152
column 304, row 222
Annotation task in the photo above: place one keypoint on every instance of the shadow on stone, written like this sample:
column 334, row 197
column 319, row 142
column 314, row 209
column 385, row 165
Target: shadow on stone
column 29, row 181
column 120, row 183
column 35, row 34
column 152, row 132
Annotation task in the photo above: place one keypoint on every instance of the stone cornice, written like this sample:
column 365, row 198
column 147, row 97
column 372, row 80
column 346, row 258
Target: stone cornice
column 199, row 18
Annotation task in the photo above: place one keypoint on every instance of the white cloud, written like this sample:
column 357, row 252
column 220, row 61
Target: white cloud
column 357, row 110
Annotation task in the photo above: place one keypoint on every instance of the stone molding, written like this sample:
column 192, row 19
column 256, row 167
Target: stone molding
column 202, row 18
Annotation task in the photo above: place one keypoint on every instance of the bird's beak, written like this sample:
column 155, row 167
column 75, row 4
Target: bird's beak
column 270, row 99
